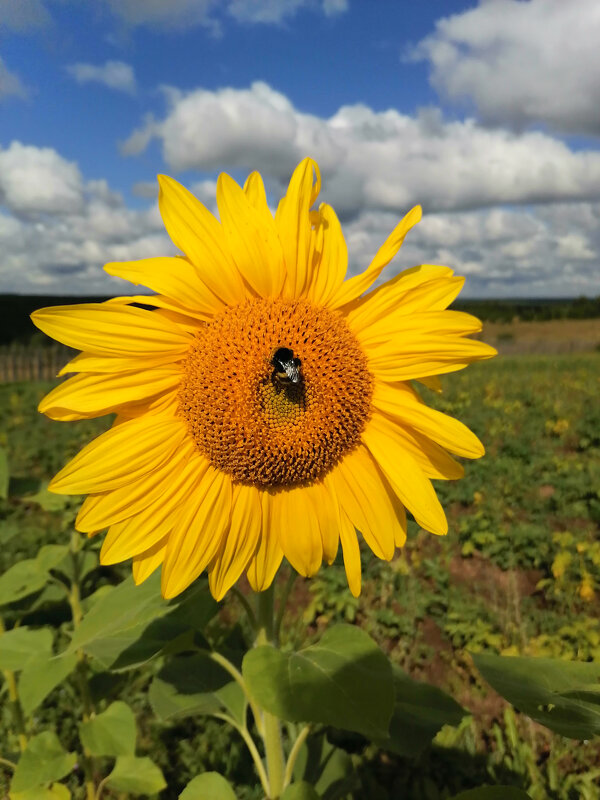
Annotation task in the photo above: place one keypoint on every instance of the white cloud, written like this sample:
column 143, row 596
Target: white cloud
column 57, row 230
column 371, row 160
column 114, row 74
column 178, row 14
column 522, row 63
column 23, row 15
column 10, row 83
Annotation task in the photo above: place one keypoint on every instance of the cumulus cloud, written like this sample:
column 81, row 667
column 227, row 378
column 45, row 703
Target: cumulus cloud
column 113, row 74
column 23, row 15
column 178, row 14
column 57, row 229
column 521, row 63
column 10, row 83
column 372, row 160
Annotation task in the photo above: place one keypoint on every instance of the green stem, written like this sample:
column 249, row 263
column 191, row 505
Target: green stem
column 15, row 703
column 291, row 762
column 271, row 728
column 246, row 606
column 251, row 747
column 87, row 761
column 6, row 763
column 239, row 678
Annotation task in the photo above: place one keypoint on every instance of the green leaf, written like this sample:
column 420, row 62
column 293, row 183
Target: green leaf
column 8, row 530
column 20, row 580
column 50, row 555
column 128, row 624
column 4, row 473
column 195, row 685
column 56, row 791
column 562, row 695
column 43, row 761
column 344, row 680
column 420, row 710
column 326, row 767
column 48, row 500
column 300, row 791
column 136, row 775
column 208, row 786
column 40, row 676
column 19, row 645
column 111, row 733
column 492, row 793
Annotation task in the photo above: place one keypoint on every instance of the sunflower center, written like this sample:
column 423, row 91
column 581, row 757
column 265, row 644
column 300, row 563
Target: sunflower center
column 275, row 392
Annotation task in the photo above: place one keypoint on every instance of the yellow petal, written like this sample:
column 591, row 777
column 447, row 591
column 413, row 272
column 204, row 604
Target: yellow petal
column 405, row 476
column 362, row 495
column 329, row 257
column 431, row 382
column 404, row 405
column 354, row 287
column 351, row 552
column 196, row 232
column 255, row 191
column 87, row 396
column 252, row 238
column 137, row 533
column 101, row 510
column 264, row 565
column 174, row 277
column 120, row 456
column 240, row 543
column 395, row 330
column 90, row 362
column 108, row 329
column 294, row 225
column 144, row 565
column 329, row 519
column 197, row 535
column 433, row 282
column 296, row 520
column 425, row 355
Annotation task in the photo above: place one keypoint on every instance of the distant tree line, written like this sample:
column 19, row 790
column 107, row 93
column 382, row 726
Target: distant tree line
column 15, row 325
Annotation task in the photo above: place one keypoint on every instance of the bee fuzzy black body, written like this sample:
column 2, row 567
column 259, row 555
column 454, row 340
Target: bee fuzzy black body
column 286, row 370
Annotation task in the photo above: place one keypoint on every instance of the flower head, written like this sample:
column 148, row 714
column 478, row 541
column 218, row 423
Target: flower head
column 265, row 405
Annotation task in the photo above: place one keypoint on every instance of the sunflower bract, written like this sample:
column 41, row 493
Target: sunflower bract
column 215, row 462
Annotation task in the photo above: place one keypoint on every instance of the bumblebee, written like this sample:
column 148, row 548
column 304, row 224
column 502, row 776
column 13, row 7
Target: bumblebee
column 286, row 369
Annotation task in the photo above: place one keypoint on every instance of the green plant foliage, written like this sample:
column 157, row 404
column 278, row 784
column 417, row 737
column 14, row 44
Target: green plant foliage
column 19, row 646
column 300, row 791
column 195, row 685
column 136, row 776
column 208, row 786
column 492, row 793
column 111, row 733
column 562, row 695
column 40, row 676
column 43, row 762
column 420, row 710
column 344, row 680
column 4, row 473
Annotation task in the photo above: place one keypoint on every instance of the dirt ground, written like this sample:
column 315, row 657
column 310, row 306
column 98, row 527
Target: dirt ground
column 552, row 336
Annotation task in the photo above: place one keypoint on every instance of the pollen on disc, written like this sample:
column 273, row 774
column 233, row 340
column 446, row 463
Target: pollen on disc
column 252, row 427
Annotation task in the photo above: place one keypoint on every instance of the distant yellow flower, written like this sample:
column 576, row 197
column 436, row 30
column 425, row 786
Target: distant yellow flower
column 264, row 405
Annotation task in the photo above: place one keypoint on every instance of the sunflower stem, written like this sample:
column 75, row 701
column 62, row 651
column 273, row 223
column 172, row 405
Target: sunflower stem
column 271, row 727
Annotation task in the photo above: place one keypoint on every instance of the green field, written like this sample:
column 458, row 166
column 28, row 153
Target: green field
column 518, row 573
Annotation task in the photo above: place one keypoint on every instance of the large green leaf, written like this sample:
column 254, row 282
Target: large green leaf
column 111, row 733
column 420, row 710
column 43, row 761
column 4, row 473
column 562, row 695
column 48, row 500
column 20, row 580
column 493, row 793
column 136, row 775
column 20, row 645
column 326, row 767
column 56, row 791
column 344, row 680
column 195, row 685
column 40, row 675
column 50, row 555
column 208, row 786
column 128, row 625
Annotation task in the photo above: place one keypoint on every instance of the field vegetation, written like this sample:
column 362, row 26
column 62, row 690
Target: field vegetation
column 518, row 573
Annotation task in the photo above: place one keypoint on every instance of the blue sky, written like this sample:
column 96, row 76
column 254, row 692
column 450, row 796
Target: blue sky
column 486, row 113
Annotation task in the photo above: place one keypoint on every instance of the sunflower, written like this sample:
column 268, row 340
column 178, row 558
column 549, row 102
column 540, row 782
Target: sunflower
column 265, row 405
